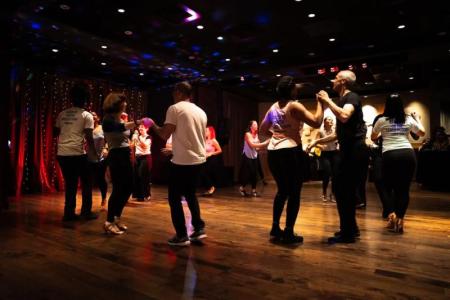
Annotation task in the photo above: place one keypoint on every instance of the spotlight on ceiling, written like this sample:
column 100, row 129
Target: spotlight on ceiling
column 128, row 32
column 104, row 47
column 141, row 74
column 55, row 50
column 278, row 75
column 121, row 10
column 275, row 50
column 311, row 16
column 227, row 59
column 332, row 39
column 401, row 26
column 64, row 7
column 103, row 64
column 220, row 38
column 200, row 27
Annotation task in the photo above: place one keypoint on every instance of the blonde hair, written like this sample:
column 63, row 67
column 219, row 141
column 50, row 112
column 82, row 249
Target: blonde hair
column 113, row 103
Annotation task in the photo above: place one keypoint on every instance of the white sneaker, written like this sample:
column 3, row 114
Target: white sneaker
column 324, row 198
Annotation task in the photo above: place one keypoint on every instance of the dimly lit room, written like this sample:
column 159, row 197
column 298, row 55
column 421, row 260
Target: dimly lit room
column 290, row 149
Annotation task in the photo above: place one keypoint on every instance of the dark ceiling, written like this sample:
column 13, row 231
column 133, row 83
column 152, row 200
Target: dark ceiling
column 162, row 47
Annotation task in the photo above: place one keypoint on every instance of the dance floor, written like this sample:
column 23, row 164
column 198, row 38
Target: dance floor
column 42, row 259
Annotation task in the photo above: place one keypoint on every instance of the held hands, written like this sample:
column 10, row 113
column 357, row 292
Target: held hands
column 322, row 96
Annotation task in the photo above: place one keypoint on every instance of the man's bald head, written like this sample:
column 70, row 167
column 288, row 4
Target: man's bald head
column 348, row 76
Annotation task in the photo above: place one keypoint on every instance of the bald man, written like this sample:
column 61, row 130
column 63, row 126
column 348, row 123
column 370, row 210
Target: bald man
column 351, row 132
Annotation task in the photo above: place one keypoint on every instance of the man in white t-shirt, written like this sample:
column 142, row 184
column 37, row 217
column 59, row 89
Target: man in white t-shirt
column 186, row 122
column 74, row 127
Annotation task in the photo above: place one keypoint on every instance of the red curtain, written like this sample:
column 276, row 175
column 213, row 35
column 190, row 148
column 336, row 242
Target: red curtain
column 37, row 100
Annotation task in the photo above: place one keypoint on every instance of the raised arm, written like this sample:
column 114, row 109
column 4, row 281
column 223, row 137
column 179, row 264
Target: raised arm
column 342, row 114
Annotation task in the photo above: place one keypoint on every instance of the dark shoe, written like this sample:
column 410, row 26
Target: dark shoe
column 341, row 239
column 356, row 233
column 176, row 241
column 276, row 233
column 69, row 218
column 140, row 199
column 289, row 237
column 197, row 235
column 89, row 216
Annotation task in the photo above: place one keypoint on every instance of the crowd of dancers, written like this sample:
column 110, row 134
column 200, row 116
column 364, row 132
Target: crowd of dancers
column 121, row 150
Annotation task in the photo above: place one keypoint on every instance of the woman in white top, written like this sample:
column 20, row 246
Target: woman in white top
column 328, row 156
column 249, row 163
column 213, row 161
column 284, row 121
column 142, row 144
column 100, row 164
column 399, row 159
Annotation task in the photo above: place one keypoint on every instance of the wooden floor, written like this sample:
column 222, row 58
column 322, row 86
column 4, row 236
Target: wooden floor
column 42, row 259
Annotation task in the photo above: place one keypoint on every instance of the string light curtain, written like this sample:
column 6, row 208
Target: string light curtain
column 37, row 99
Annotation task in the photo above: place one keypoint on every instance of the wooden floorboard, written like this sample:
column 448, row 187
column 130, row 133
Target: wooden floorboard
column 40, row 258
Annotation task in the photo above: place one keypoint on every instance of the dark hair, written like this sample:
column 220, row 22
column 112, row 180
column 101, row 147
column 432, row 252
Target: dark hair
column 394, row 110
column 184, row 88
column 79, row 94
column 285, row 86
column 249, row 126
column 113, row 103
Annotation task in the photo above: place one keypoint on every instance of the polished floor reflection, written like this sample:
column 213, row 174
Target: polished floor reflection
column 42, row 259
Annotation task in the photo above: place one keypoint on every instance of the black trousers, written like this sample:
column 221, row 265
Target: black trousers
column 99, row 170
column 122, row 181
column 74, row 168
column 210, row 171
column 142, row 171
column 350, row 172
column 328, row 161
column 260, row 169
column 248, row 172
column 398, row 171
column 287, row 167
column 182, row 182
column 377, row 176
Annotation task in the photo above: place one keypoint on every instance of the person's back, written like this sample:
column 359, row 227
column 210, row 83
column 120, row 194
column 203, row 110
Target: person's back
column 72, row 122
column 395, row 135
column 286, row 129
column 188, row 139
